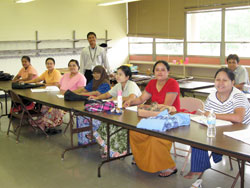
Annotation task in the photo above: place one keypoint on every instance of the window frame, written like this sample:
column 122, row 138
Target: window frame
column 222, row 42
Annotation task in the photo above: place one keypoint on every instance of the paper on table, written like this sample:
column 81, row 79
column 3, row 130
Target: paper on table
column 203, row 120
column 60, row 96
column 132, row 108
column 52, row 88
column 242, row 135
column 48, row 88
column 38, row 90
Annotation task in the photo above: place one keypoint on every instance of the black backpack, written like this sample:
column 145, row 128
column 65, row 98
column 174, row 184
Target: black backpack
column 16, row 85
column 5, row 76
column 71, row 96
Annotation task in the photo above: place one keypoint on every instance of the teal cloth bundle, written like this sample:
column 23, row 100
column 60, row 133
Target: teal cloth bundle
column 164, row 121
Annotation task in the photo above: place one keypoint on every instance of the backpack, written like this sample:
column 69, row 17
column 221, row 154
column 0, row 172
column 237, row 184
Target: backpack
column 5, row 76
column 16, row 85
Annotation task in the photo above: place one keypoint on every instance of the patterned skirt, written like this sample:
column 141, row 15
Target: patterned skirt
column 118, row 141
column 82, row 121
column 51, row 117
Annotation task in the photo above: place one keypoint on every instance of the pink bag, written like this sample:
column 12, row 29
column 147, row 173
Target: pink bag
column 100, row 106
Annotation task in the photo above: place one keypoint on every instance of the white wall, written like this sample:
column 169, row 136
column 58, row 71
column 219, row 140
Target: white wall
column 56, row 19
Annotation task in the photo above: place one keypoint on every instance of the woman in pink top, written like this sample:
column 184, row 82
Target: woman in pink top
column 28, row 72
column 72, row 80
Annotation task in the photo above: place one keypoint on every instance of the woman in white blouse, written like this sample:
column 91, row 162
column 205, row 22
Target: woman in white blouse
column 130, row 90
column 228, row 103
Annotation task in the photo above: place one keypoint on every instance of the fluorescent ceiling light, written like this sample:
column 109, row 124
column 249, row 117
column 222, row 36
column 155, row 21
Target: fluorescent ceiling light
column 23, row 1
column 115, row 2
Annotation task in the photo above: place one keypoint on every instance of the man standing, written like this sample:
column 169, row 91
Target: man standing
column 91, row 56
column 240, row 72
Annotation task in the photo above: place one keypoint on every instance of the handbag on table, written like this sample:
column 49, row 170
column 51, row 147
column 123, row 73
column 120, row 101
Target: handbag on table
column 154, row 109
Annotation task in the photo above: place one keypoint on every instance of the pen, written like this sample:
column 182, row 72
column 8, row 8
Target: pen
column 202, row 111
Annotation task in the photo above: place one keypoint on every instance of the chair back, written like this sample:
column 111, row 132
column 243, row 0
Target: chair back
column 15, row 98
column 192, row 104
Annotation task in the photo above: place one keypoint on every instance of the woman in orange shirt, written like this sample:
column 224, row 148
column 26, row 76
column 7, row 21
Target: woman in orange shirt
column 51, row 117
column 50, row 76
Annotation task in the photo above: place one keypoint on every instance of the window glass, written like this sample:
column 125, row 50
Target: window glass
column 237, row 25
column 241, row 49
column 140, row 48
column 140, row 39
column 169, row 48
column 206, row 49
column 205, row 26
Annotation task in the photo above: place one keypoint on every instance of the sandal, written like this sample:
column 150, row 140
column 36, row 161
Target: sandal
column 133, row 161
column 171, row 172
column 197, row 184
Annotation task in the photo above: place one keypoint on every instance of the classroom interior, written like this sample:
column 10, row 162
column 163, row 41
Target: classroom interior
column 58, row 28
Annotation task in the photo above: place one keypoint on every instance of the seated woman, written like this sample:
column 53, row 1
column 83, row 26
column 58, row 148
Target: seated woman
column 228, row 103
column 28, row 72
column 97, row 86
column 130, row 90
column 152, row 154
column 51, row 117
column 51, row 76
column 74, row 79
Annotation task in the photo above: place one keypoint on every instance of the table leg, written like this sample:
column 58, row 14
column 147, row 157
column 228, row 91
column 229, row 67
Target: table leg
column 242, row 174
column 75, row 131
column 109, row 159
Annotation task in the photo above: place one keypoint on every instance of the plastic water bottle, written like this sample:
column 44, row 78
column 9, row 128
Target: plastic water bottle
column 211, row 121
column 119, row 99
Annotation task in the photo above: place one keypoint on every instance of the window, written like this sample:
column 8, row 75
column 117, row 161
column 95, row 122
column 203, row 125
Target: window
column 169, row 47
column 140, row 45
column 203, row 49
column 204, row 36
column 237, row 31
column 204, row 33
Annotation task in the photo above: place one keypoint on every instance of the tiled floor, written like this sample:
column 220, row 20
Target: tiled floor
column 36, row 163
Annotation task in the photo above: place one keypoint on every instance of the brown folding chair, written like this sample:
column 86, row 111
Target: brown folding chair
column 23, row 114
column 191, row 104
column 235, row 178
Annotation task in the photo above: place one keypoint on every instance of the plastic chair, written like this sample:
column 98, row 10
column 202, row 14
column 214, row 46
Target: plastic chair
column 23, row 114
column 190, row 104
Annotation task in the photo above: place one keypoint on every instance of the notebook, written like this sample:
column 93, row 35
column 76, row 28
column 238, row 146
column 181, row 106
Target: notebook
column 203, row 120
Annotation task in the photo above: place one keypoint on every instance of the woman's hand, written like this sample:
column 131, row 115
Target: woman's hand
column 206, row 113
column 62, row 92
column 92, row 97
column 127, row 103
column 171, row 109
